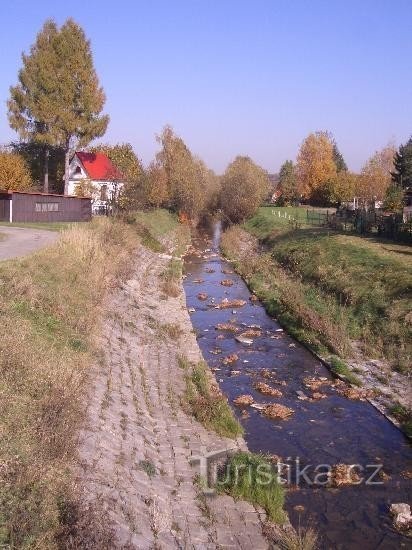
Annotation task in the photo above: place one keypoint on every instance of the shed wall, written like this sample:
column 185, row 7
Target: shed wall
column 50, row 208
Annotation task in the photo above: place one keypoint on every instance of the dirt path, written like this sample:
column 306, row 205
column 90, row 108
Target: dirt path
column 136, row 452
column 19, row 241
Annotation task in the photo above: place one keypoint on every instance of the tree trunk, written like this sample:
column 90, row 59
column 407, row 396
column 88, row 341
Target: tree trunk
column 66, row 168
column 46, row 170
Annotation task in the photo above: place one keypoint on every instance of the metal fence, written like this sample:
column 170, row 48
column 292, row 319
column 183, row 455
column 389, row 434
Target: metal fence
column 360, row 222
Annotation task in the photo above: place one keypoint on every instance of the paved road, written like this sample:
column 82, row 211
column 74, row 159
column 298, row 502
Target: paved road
column 20, row 241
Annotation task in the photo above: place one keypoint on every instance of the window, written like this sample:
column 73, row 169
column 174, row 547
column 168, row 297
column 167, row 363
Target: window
column 46, row 207
column 103, row 192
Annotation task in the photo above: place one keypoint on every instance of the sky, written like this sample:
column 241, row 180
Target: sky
column 235, row 77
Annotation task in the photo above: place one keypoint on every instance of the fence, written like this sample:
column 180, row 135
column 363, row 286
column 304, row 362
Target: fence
column 371, row 223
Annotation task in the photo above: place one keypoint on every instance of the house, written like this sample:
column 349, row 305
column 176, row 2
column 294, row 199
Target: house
column 26, row 206
column 94, row 175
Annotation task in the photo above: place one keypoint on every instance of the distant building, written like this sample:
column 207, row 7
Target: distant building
column 94, row 175
column 274, row 192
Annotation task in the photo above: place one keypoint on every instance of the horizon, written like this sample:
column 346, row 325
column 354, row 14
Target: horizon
column 236, row 79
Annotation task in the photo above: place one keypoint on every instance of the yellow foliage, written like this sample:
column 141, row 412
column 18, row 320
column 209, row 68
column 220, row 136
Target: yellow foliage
column 376, row 174
column 14, row 172
column 85, row 188
column 315, row 165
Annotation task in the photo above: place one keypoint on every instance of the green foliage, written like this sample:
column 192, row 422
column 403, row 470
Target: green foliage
column 206, row 402
column 404, row 416
column 14, row 172
column 340, row 367
column 58, row 99
column 34, row 155
column 244, row 187
column 288, row 184
column 394, row 197
column 251, row 477
column 402, row 174
column 184, row 174
column 338, row 158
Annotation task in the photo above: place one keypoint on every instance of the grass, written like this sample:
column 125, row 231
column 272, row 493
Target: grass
column 301, row 539
column 346, row 287
column 159, row 222
column 338, row 366
column 251, row 477
column 148, row 467
column 206, row 403
column 50, row 226
column 404, row 416
column 50, row 303
column 171, row 278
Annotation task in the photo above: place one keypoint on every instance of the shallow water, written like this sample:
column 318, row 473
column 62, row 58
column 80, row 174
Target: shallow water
column 328, row 431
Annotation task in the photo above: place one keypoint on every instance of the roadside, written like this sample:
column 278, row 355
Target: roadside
column 332, row 305
column 136, row 452
column 20, row 242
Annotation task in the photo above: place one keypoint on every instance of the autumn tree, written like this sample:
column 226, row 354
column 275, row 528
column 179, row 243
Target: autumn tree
column 244, row 187
column 156, row 186
column 376, row 175
column 288, row 184
column 58, row 100
column 186, row 192
column 14, row 172
column 315, row 166
column 342, row 188
column 402, row 173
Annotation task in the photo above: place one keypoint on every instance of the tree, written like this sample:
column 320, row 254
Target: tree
column 394, row 197
column 58, row 100
column 402, row 174
column 342, row 188
column 14, row 172
column 50, row 176
column 376, row 175
column 315, row 166
column 123, row 157
column 156, row 187
column 186, row 192
column 338, row 158
column 288, row 185
column 244, row 187
column 85, row 188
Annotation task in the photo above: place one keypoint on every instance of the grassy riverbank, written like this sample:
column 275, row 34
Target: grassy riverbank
column 331, row 290
column 51, row 305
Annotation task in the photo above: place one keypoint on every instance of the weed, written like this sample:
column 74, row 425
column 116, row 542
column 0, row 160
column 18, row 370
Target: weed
column 171, row 330
column 301, row 539
column 148, row 467
column 50, row 306
column 251, row 477
column 207, row 404
column 340, row 367
column 404, row 416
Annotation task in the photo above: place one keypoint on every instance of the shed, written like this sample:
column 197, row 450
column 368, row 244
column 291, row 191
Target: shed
column 25, row 206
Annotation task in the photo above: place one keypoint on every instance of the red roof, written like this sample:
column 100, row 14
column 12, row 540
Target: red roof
column 99, row 167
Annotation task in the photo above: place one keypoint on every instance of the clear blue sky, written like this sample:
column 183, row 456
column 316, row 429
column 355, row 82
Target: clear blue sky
column 237, row 77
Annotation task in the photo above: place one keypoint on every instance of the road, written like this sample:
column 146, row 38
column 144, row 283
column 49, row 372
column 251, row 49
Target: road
column 18, row 241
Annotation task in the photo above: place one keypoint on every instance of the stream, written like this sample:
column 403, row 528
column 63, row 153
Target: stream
column 324, row 431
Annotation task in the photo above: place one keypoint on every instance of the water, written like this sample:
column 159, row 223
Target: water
column 328, row 431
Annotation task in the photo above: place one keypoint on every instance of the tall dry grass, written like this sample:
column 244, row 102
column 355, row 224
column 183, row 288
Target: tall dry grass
column 49, row 309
